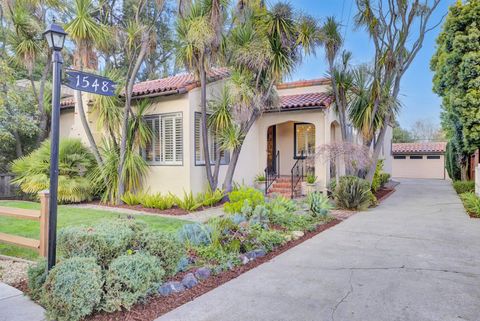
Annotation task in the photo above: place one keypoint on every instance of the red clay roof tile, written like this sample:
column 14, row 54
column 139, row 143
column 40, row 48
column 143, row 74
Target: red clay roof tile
column 424, row 147
column 302, row 101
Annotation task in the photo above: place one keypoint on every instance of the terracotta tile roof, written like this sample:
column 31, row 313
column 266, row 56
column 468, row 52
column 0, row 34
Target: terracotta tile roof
column 425, row 147
column 304, row 83
column 67, row 103
column 302, row 101
column 176, row 84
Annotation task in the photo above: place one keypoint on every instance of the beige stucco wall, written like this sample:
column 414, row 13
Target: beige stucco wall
column 172, row 178
column 302, row 90
column 67, row 118
column 419, row 168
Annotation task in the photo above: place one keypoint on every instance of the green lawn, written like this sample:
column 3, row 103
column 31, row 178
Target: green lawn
column 67, row 216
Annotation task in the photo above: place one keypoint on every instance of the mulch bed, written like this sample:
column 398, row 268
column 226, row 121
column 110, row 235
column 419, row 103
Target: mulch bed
column 383, row 193
column 157, row 306
column 175, row 211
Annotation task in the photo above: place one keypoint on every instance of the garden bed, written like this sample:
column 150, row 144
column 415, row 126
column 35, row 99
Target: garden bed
column 383, row 193
column 157, row 306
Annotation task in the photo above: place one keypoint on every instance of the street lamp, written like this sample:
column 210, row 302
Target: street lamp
column 55, row 36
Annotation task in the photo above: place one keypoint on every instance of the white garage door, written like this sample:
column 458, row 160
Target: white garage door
column 419, row 166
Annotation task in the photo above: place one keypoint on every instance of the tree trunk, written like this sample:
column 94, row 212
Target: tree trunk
column 43, row 123
column 216, row 170
column 126, row 113
column 18, row 144
column 227, row 184
column 86, row 127
column 203, row 106
column 376, row 152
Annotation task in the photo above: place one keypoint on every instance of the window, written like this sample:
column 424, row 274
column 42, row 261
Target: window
column 433, row 157
column 399, row 157
column 212, row 145
column 416, row 157
column 166, row 146
column 304, row 140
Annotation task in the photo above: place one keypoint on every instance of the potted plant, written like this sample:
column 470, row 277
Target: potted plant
column 260, row 182
column 310, row 184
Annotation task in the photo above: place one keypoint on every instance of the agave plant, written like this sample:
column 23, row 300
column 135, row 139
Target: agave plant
column 76, row 165
column 319, row 204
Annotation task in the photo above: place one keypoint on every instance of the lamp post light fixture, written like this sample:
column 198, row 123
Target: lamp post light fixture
column 55, row 36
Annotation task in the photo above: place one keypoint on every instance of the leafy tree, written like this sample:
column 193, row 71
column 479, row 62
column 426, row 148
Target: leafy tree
column 456, row 67
column 397, row 30
column 425, row 130
column 401, row 135
column 263, row 46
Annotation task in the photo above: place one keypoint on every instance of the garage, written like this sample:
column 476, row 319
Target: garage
column 419, row 160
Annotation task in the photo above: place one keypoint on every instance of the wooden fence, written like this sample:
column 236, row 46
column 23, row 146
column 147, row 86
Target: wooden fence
column 7, row 190
column 35, row 215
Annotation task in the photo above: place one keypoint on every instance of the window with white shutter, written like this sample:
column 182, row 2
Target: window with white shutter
column 166, row 146
column 212, row 145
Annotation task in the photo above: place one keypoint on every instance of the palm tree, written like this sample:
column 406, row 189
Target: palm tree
column 200, row 33
column 332, row 41
column 86, row 31
column 264, row 46
column 28, row 21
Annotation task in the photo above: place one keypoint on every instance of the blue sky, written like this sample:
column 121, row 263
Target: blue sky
column 419, row 102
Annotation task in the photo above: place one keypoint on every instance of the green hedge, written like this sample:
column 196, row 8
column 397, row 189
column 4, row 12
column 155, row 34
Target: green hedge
column 464, row 186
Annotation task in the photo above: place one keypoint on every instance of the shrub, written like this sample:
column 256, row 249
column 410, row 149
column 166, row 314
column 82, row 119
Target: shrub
column 238, row 197
column 195, row 234
column 37, row 275
column 464, row 187
column 260, row 216
column 73, row 289
column 189, row 203
column 319, row 204
column 158, row 201
column 76, row 163
column 131, row 199
column 130, row 278
column 377, row 181
column 270, row 239
column 472, row 203
column 104, row 241
column 384, row 178
column 164, row 246
column 231, row 237
column 352, row 193
column 311, row 179
column 211, row 198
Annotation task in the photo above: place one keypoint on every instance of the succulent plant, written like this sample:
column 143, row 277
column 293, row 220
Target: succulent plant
column 319, row 204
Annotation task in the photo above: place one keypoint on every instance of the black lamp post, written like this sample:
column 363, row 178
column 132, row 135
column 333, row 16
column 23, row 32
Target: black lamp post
column 55, row 36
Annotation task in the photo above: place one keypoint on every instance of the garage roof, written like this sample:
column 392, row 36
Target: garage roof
column 420, row 148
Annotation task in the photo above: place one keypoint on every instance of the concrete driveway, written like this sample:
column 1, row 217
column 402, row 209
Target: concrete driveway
column 416, row 257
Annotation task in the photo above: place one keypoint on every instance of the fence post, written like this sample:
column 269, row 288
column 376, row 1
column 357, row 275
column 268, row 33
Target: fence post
column 44, row 210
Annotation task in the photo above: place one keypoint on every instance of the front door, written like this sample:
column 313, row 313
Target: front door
column 271, row 148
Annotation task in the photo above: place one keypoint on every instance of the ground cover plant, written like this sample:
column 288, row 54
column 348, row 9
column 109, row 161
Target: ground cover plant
column 136, row 262
column 68, row 216
column 472, row 203
column 464, row 186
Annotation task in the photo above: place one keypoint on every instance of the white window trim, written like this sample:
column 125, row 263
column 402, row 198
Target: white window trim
column 225, row 160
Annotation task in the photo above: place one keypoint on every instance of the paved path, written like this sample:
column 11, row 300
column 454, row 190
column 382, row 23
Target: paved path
column 200, row 216
column 14, row 306
column 416, row 257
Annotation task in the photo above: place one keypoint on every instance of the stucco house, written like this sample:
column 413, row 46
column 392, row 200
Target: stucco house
column 303, row 120
column 419, row 160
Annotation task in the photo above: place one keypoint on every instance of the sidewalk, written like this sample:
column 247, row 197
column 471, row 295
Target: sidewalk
column 14, row 306
column 415, row 257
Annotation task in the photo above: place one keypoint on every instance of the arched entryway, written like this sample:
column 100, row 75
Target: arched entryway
column 286, row 143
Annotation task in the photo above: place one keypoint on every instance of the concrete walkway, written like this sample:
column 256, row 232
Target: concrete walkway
column 14, row 306
column 415, row 257
column 199, row 217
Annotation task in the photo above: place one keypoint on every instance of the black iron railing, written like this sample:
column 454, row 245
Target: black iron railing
column 298, row 173
column 272, row 172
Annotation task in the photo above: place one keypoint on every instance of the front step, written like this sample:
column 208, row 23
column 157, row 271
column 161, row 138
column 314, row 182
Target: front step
column 283, row 186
